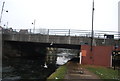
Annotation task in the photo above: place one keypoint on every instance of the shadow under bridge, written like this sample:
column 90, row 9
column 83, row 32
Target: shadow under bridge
column 54, row 45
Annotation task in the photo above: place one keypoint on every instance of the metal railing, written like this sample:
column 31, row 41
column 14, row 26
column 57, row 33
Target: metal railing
column 64, row 32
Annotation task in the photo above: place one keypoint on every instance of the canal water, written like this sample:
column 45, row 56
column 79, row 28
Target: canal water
column 33, row 69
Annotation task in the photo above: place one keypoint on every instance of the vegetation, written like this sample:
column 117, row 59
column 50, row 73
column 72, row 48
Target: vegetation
column 58, row 74
column 107, row 74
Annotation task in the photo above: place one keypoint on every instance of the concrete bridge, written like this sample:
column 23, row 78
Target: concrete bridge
column 62, row 38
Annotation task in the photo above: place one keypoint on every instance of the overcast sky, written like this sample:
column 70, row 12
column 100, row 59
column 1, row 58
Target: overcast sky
column 61, row 14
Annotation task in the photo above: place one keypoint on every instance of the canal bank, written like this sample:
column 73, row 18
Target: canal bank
column 59, row 73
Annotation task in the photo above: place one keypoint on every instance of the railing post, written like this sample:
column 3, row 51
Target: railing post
column 48, row 35
column 69, row 38
column 40, row 31
column 48, row 32
column 15, row 30
column 69, row 33
column 30, row 31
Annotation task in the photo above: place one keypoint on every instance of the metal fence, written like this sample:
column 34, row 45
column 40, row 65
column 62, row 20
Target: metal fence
column 64, row 32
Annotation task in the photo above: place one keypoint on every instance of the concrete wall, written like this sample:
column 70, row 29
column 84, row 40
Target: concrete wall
column 101, row 55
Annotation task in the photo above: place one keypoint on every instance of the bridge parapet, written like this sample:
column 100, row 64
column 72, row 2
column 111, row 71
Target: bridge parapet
column 61, row 36
column 64, row 32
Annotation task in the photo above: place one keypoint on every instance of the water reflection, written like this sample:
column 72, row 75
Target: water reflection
column 62, row 58
column 33, row 69
column 19, row 68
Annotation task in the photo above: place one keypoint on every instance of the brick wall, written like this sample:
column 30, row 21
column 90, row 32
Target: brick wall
column 100, row 55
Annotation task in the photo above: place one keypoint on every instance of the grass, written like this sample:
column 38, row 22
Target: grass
column 58, row 74
column 107, row 74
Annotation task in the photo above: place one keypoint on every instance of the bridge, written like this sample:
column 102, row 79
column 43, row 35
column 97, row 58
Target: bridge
column 63, row 38
column 30, row 42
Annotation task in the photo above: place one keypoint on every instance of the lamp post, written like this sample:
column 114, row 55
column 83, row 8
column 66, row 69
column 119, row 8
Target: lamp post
column 2, row 12
column 34, row 26
column 92, row 31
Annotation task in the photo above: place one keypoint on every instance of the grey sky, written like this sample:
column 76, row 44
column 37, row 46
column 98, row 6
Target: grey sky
column 61, row 14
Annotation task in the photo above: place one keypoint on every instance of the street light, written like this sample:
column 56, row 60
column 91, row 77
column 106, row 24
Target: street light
column 92, row 32
column 34, row 26
column 2, row 12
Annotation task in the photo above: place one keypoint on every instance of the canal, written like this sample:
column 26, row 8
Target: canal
column 35, row 68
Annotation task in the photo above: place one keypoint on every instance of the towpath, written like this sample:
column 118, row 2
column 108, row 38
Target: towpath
column 77, row 73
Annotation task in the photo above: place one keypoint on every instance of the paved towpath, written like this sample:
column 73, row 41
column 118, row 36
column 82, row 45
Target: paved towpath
column 77, row 73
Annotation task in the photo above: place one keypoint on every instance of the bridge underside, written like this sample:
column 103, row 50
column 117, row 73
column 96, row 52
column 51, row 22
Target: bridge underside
column 54, row 45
